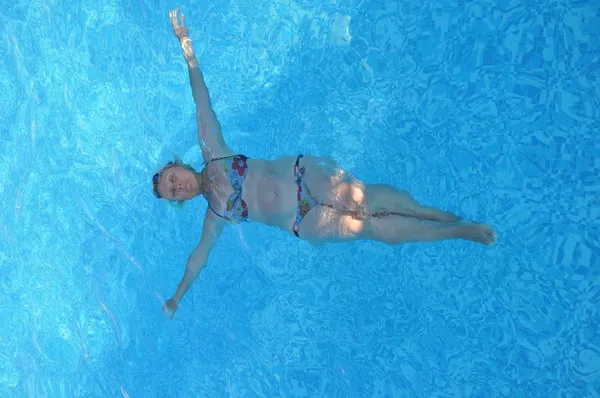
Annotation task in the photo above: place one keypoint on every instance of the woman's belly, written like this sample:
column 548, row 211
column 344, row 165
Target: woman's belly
column 270, row 191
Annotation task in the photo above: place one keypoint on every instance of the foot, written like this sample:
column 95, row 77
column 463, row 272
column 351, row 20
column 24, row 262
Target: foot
column 481, row 233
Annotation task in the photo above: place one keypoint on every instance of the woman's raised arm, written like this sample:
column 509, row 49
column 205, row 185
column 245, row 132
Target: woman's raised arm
column 210, row 137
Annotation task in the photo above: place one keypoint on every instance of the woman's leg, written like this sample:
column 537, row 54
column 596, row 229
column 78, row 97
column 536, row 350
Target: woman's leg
column 395, row 229
column 330, row 184
column 325, row 224
column 381, row 198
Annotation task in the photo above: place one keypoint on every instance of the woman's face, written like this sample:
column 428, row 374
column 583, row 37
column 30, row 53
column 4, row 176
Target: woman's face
column 178, row 183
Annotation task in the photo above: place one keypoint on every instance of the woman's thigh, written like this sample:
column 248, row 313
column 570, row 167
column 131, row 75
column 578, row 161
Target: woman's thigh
column 329, row 225
column 329, row 183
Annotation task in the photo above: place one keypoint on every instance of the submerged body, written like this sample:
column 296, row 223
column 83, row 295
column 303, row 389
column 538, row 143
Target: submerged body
column 309, row 197
column 329, row 205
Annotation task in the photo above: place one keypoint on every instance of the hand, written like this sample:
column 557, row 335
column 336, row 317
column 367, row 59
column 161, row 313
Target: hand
column 170, row 307
column 179, row 30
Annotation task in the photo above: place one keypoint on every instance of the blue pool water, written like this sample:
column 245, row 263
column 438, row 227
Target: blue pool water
column 488, row 109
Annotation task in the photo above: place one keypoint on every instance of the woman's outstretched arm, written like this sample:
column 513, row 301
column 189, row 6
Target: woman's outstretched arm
column 210, row 137
column 211, row 230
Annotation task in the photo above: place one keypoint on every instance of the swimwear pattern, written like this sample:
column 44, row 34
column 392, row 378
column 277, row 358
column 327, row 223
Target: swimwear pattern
column 305, row 200
column 236, row 170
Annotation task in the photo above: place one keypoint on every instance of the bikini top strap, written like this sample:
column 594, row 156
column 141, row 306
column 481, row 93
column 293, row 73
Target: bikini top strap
column 228, row 157
column 213, row 210
column 221, row 158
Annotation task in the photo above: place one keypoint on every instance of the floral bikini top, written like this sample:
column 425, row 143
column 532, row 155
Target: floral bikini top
column 236, row 169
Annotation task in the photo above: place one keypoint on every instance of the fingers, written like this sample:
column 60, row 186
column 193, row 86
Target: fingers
column 173, row 16
column 168, row 312
column 181, row 19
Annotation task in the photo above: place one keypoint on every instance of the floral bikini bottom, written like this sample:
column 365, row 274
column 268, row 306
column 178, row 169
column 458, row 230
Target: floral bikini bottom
column 305, row 199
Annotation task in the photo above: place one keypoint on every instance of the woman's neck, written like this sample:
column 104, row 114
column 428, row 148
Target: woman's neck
column 200, row 178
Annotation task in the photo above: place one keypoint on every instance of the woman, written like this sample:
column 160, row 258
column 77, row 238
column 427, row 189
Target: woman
column 309, row 197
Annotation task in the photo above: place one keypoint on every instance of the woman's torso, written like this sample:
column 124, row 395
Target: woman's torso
column 269, row 190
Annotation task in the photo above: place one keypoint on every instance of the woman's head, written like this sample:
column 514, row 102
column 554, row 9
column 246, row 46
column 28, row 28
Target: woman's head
column 177, row 182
